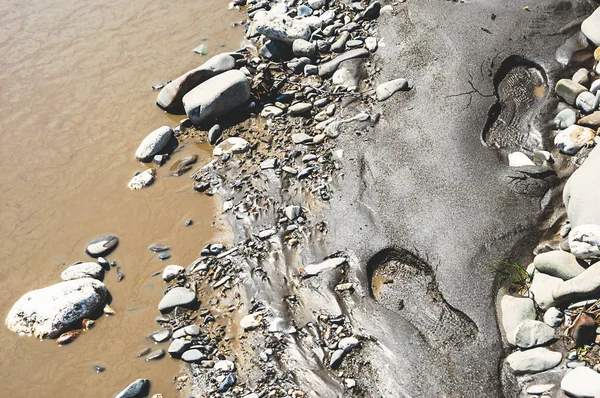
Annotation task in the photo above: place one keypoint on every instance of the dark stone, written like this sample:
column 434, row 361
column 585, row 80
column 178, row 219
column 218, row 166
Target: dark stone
column 137, row 389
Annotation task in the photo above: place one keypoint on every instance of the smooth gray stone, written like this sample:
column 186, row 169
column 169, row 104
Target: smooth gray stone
column 153, row 143
column 50, row 311
column 154, row 355
column 178, row 347
column 565, row 118
column 328, row 68
column 513, row 311
column 102, row 246
column 339, row 45
column 583, row 286
column 83, row 270
column 137, row 389
column 534, row 360
column 568, row 90
column 282, row 28
column 304, row 48
column 387, row 89
column 581, row 382
column 591, row 27
column 586, row 102
column 532, row 333
column 559, row 264
column 581, row 194
column 317, row 4
column 176, row 297
column 171, row 96
column 217, row 96
column 299, row 108
column 193, row 355
column 192, row 330
column 554, row 317
column 161, row 335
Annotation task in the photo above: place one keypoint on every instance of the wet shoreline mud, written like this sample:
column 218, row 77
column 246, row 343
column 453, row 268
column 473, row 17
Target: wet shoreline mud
column 380, row 177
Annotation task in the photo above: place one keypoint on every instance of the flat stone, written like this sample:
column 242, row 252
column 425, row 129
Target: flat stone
column 584, row 241
column 178, row 347
column 317, row 268
column 193, row 355
column 348, row 344
column 339, row 45
column 513, row 311
column 581, row 77
column 581, row 382
column 249, row 322
column 292, row 212
column 573, row 138
column 534, row 360
column 102, row 246
column 171, row 96
column 153, row 143
column 539, row 389
column 154, row 355
column 591, row 27
column 585, row 285
column 554, row 317
column 387, row 89
column 518, row 159
column 137, row 389
column 231, row 145
column 531, row 333
column 270, row 110
column 282, row 28
column 586, row 102
column 559, row 264
column 542, row 288
column 161, row 336
column 171, row 272
column 192, row 330
column 83, row 270
column 317, row 4
column 269, row 164
column 50, row 311
column 565, row 118
column 591, row 121
column 299, row 108
column 568, row 90
column 142, row 180
column 301, row 138
column 176, row 297
column 217, row 96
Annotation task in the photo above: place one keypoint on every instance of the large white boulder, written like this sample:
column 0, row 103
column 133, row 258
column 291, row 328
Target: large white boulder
column 49, row 311
column 217, row 96
column 591, row 27
column 582, row 192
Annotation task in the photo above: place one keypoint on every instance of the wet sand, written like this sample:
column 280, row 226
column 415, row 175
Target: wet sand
column 77, row 101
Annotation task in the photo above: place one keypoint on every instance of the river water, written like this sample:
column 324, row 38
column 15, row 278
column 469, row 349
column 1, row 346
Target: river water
column 76, row 87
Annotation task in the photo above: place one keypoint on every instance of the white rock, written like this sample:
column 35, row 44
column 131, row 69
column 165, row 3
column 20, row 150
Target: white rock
column 217, row 96
column 224, row 366
column 584, row 241
column 50, row 311
column 554, row 317
column 153, row 143
column 303, row 48
column 82, row 270
column 573, row 138
column 385, row 90
column 532, row 333
column 282, row 28
column 581, row 382
column 345, row 78
column 518, row 159
column 542, row 289
column 558, row 263
column 231, row 145
column 171, row 272
column 142, row 180
column 317, row 268
column 534, row 360
column 371, row 44
column 513, row 311
column 271, row 111
column 585, row 285
column 249, row 322
column 586, row 102
column 591, row 27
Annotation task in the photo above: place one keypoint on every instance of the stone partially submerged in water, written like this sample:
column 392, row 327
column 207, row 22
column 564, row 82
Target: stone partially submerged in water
column 82, row 270
column 142, row 180
column 137, row 389
column 49, row 311
column 171, row 96
column 101, row 246
column 153, row 144
column 217, row 96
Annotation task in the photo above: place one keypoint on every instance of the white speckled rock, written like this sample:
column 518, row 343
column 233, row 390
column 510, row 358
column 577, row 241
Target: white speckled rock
column 50, row 311
column 581, row 382
column 591, row 27
column 217, row 96
column 573, row 138
column 142, row 180
column 534, row 360
column 82, row 270
column 513, row 311
column 282, row 28
column 231, row 145
column 153, row 143
column 532, row 333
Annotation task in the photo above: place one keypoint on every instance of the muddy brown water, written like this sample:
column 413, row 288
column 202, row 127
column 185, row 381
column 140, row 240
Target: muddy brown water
column 76, row 102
